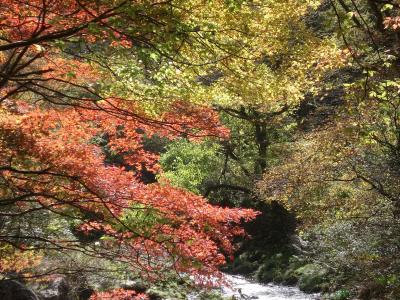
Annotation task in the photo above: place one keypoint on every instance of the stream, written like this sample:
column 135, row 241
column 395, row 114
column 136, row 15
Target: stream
column 244, row 289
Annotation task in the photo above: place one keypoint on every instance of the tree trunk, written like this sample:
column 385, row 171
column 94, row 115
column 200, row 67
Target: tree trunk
column 262, row 142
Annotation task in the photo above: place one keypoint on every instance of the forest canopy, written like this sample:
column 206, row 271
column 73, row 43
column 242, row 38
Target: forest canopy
column 161, row 140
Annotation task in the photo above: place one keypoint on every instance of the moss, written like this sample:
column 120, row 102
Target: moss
column 289, row 277
column 242, row 265
column 172, row 291
column 266, row 274
column 311, row 277
column 340, row 295
column 274, row 269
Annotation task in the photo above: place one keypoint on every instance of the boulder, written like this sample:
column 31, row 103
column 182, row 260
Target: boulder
column 58, row 289
column 311, row 277
column 84, row 293
column 136, row 286
column 297, row 243
column 14, row 290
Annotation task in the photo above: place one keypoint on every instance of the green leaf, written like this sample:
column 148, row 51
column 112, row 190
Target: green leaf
column 386, row 7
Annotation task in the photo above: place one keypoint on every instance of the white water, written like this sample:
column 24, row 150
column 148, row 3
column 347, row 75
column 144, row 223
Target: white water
column 244, row 289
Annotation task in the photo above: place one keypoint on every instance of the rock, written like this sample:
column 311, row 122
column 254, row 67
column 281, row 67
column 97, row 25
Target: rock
column 14, row 290
column 137, row 286
column 154, row 296
column 311, row 277
column 85, row 293
column 297, row 243
column 58, row 290
column 341, row 294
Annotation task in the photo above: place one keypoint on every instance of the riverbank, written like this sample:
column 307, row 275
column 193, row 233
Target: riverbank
column 288, row 266
column 243, row 288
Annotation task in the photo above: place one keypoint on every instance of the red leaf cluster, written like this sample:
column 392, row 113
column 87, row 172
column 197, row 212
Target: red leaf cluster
column 51, row 159
column 118, row 294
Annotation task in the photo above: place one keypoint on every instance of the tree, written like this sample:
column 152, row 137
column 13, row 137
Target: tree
column 257, row 95
column 340, row 175
column 54, row 111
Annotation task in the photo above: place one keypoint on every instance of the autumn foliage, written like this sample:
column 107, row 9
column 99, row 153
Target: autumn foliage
column 51, row 118
column 118, row 294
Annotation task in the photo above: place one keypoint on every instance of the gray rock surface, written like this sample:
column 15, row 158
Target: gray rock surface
column 14, row 290
column 58, row 289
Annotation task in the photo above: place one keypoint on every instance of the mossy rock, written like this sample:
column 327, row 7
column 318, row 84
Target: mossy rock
column 242, row 265
column 340, row 295
column 166, row 293
column 311, row 277
column 210, row 295
column 275, row 268
column 267, row 274
column 168, row 290
column 289, row 277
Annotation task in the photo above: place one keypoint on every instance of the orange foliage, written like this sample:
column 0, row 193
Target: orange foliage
column 50, row 160
column 118, row 294
column 27, row 19
column 392, row 22
column 12, row 260
column 67, row 170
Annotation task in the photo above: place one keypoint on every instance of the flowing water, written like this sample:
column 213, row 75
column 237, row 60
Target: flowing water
column 243, row 289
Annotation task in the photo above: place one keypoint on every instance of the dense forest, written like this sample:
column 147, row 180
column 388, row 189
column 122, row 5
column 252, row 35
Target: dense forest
column 150, row 147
